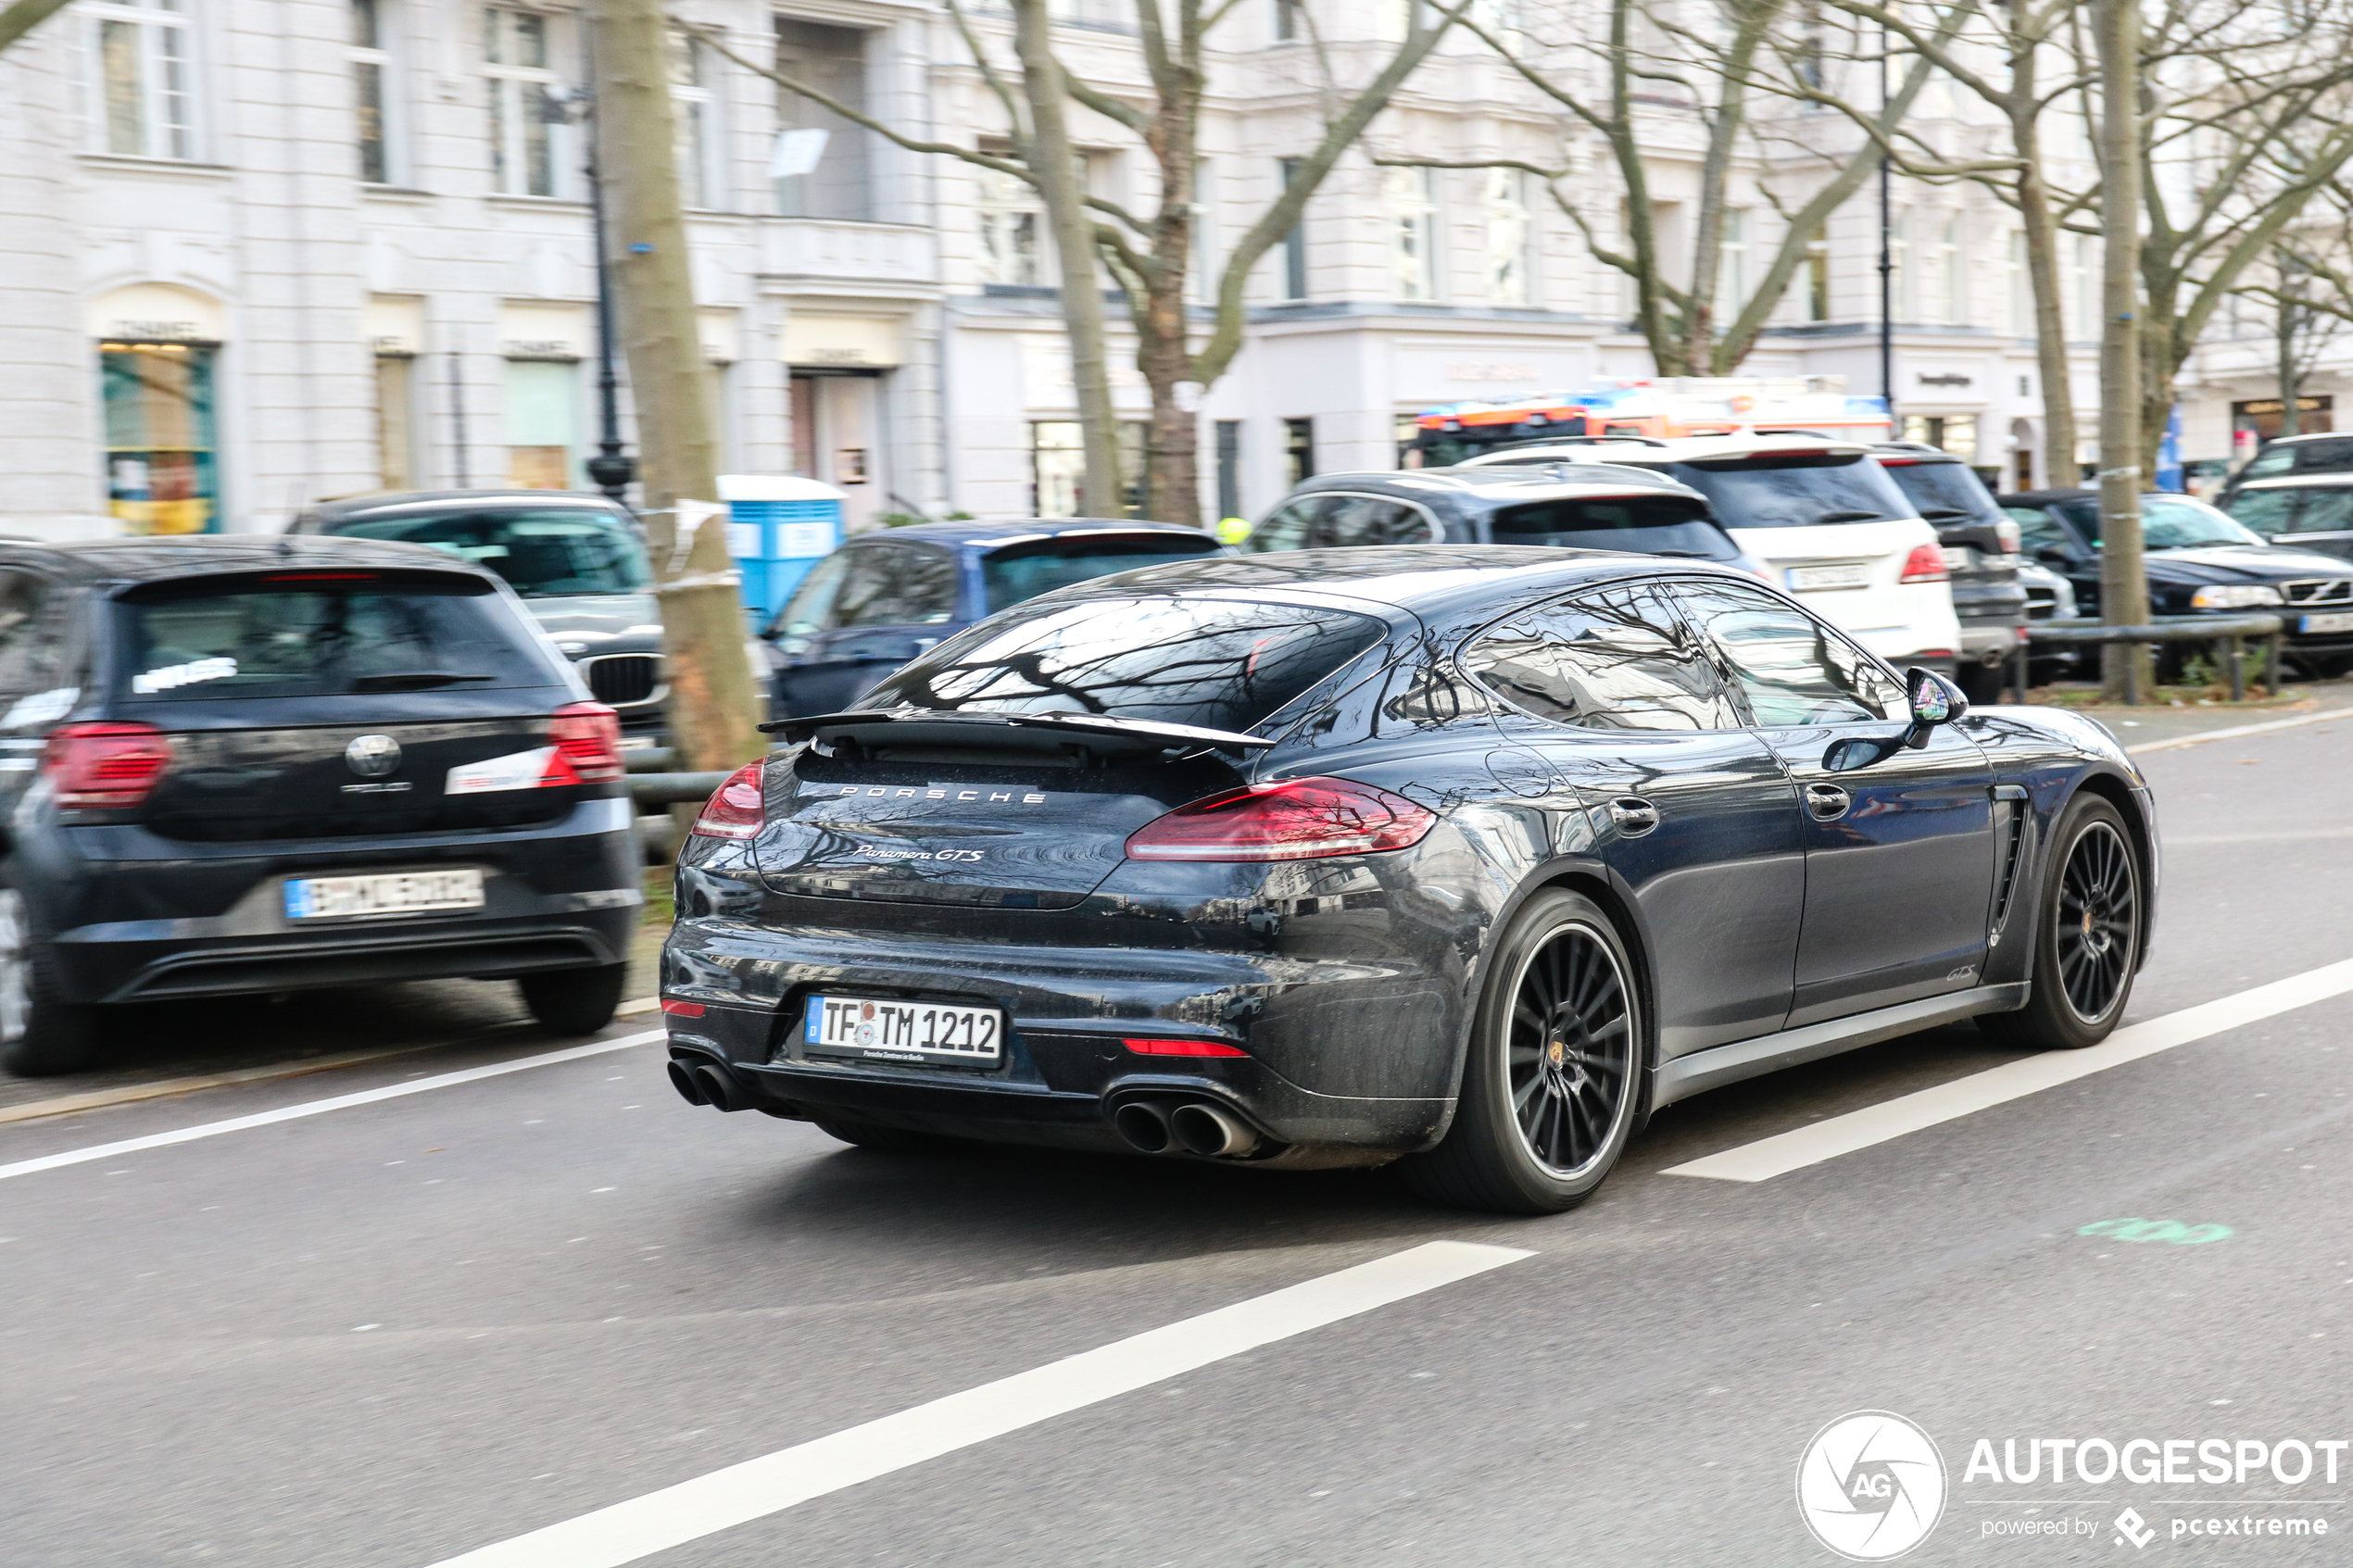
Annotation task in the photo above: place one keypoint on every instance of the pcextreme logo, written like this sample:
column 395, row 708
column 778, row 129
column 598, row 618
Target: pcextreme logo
column 1870, row 1485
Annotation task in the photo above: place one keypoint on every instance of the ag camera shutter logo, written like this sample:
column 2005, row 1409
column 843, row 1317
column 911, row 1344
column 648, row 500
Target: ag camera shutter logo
column 1870, row 1485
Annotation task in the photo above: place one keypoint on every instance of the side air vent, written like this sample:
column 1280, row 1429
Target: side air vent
column 2012, row 812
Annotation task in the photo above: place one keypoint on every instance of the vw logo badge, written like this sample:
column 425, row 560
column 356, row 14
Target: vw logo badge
column 371, row 757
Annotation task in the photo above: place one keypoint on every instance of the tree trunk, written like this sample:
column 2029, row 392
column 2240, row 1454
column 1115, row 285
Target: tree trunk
column 2291, row 383
column 1055, row 167
column 714, row 704
column 2125, row 599
column 2059, row 461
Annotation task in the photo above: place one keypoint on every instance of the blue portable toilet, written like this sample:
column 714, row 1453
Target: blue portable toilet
column 778, row 526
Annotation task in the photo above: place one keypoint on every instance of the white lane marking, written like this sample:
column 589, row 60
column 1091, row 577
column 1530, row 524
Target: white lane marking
column 2237, row 730
column 708, row 1504
column 1801, row 1146
column 320, row 1107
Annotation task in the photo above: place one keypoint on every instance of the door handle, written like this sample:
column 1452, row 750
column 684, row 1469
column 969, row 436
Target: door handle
column 1633, row 816
column 1827, row 803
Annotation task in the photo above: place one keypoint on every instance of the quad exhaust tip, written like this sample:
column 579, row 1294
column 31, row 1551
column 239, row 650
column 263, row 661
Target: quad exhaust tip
column 1197, row 1127
column 1144, row 1123
column 707, row 1082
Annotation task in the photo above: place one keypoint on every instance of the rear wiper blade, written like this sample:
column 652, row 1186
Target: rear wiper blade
column 1148, row 731
column 412, row 681
column 1927, row 512
column 1848, row 516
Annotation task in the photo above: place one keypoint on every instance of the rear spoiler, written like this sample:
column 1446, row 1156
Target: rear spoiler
column 1096, row 732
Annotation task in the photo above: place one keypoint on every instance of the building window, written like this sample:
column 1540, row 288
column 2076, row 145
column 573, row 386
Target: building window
column 1010, row 214
column 1411, row 200
column 542, row 415
column 1204, row 211
column 1505, row 212
column 1058, row 469
column 397, row 421
column 1229, row 469
column 161, row 473
column 142, row 80
column 696, row 107
column 529, row 136
column 1818, row 277
column 1299, row 452
column 2021, row 293
column 1294, row 242
column 1732, row 263
column 837, row 180
column 372, row 90
column 1955, row 434
column 1289, row 24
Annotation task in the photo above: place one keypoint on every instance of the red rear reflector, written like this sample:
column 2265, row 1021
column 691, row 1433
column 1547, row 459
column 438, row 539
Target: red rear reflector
column 1183, row 1047
column 1926, row 564
column 1295, row 820
column 105, row 766
column 737, row 809
column 587, row 736
column 682, row 1010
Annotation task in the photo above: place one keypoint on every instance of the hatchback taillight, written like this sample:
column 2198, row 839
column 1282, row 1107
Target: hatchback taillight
column 105, row 766
column 1926, row 564
column 1295, row 820
column 588, row 735
column 737, row 809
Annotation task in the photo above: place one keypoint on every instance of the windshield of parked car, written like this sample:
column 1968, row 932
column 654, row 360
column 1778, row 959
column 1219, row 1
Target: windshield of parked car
column 1654, row 525
column 542, row 553
column 1216, row 663
column 1024, row 572
column 321, row 632
column 1941, row 490
column 1795, row 490
column 2171, row 522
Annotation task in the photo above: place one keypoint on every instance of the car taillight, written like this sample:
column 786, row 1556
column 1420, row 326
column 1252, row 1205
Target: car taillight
column 588, row 735
column 1926, row 564
column 737, row 809
column 105, row 766
column 1295, row 820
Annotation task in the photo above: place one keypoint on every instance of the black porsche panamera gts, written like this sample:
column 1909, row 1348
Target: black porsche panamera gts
column 1465, row 857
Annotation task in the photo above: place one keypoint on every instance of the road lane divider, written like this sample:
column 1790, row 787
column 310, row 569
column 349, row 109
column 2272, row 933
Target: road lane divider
column 321, row 1107
column 1818, row 1141
column 740, row 1493
column 2235, row 731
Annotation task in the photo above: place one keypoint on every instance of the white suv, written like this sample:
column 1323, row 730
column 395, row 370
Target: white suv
column 1823, row 517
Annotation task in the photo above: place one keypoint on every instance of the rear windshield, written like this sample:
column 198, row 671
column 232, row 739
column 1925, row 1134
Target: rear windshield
column 1795, row 490
column 541, row 554
column 1024, row 572
column 1650, row 525
column 1945, row 492
column 320, row 634
column 1215, row 663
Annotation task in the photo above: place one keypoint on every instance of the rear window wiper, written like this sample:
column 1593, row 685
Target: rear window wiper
column 1929, row 513
column 1848, row 516
column 412, row 681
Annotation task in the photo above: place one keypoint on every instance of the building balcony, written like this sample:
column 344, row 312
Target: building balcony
column 868, row 257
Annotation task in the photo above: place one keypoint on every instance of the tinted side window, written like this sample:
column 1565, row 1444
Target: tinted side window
column 2313, row 455
column 1288, row 527
column 2037, row 528
column 21, row 643
column 1618, row 658
column 1791, row 669
column 1365, row 519
column 810, row 608
column 2273, row 460
column 893, row 585
column 2266, row 511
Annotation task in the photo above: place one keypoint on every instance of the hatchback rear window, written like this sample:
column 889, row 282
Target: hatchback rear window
column 1651, row 526
column 1795, row 490
column 542, row 553
column 1945, row 492
column 1024, row 572
column 1215, row 663
column 321, row 633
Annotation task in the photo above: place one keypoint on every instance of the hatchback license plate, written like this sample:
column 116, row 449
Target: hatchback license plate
column 390, row 893
column 2342, row 623
column 1815, row 578
column 877, row 1029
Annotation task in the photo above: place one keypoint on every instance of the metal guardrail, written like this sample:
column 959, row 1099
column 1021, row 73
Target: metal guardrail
column 673, row 789
column 2231, row 630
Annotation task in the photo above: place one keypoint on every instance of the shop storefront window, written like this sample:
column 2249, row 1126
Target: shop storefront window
column 542, row 411
column 162, row 476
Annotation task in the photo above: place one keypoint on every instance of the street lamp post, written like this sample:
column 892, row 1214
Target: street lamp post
column 611, row 469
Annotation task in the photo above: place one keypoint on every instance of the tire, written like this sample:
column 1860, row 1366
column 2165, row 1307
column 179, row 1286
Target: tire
column 1544, row 1115
column 42, row 1035
column 574, row 1001
column 1982, row 683
column 2089, row 928
column 881, row 1139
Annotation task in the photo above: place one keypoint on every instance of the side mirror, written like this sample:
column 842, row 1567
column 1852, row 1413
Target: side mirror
column 1934, row 700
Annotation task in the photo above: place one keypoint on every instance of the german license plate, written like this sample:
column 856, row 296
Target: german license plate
column 2340, row 623
column 877, row 1029
column 386, row 893
column 1812, row 579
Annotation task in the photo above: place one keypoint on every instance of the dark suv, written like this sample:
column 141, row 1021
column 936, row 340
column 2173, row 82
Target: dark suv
column 234, row 765
column 1980, row 552
column 2291, row 454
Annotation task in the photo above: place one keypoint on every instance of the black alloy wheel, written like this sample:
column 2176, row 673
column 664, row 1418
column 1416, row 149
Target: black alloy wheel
column 2087, row 934
column 1552, row 1081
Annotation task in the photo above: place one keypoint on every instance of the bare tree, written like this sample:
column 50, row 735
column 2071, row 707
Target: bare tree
column 2124, row 589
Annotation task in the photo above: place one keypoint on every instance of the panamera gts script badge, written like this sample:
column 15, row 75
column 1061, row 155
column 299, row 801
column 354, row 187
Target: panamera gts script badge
column 371, row 757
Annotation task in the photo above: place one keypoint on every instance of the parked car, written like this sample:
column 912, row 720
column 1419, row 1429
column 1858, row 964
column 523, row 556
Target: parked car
column 578, row 562
column 1469, row 856
column 2049, row 596
column 887, row 595
column 2288, row 455
column 1824, row 518
column 1980, row 552
column 2310, row 512
column 233, row 765
column 1574, row 506
column 2199, row 560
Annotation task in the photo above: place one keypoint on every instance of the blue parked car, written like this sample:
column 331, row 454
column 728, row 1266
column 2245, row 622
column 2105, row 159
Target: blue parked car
column 886, row 596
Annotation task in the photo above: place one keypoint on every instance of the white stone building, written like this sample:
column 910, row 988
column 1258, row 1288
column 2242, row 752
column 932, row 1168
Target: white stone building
column 253, row 253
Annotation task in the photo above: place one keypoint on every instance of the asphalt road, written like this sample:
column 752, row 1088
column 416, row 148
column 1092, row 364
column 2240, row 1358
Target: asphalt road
column 392, row 1334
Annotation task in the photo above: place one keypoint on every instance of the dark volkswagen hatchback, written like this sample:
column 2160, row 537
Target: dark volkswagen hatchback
column 235, row 766
column 1467, row 855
